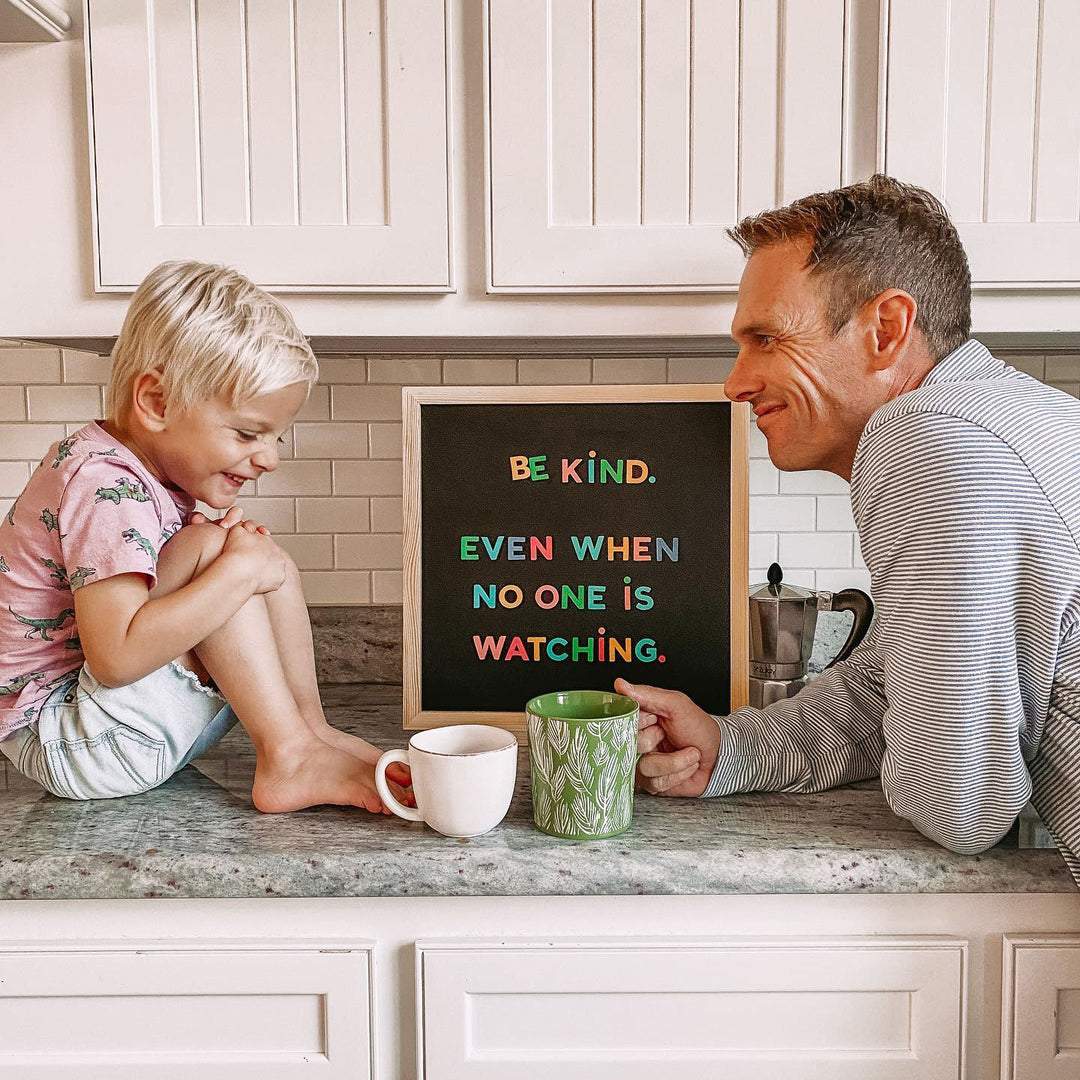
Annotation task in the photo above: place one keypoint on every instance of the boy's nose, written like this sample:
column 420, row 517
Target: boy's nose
column 266, row 458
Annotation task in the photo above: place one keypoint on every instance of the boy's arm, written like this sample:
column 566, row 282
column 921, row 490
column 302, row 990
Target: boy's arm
column 125, row 633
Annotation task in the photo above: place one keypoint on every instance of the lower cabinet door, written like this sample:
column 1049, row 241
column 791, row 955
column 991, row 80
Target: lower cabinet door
column 761, row 1009
column 1040, row 1001
column 206, row 1012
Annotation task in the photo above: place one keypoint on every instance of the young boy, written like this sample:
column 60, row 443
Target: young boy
column 131, row 640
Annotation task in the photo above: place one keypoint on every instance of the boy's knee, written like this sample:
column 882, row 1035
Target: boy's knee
column 203, row 542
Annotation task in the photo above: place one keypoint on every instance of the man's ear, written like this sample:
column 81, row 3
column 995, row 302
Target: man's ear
column 148, row 401
column 889, row 326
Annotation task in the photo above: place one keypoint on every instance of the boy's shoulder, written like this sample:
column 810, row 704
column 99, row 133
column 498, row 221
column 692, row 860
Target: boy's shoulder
column 90, row 466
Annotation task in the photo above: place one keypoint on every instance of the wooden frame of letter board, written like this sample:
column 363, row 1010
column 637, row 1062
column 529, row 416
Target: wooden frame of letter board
column 414, row 398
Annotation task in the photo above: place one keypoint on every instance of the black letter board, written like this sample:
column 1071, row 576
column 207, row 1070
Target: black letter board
column 560, row 537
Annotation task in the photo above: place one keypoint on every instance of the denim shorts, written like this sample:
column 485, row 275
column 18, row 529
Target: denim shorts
column 98, row 742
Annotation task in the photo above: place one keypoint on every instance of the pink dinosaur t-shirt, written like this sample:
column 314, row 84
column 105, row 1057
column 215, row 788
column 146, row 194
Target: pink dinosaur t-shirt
column 90, row 510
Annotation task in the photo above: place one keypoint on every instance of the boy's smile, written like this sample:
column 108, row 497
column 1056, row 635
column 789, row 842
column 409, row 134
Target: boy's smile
column 211, row 451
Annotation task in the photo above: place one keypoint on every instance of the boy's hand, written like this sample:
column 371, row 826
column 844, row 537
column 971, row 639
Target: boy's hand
column 233, row 516
column 257, row 557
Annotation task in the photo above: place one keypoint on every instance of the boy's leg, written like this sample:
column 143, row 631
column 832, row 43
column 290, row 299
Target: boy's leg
column 294, row 767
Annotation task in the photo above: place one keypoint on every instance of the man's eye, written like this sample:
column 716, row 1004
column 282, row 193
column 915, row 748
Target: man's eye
column 765, row 339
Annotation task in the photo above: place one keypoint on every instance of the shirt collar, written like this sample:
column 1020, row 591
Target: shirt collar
column 972, row 360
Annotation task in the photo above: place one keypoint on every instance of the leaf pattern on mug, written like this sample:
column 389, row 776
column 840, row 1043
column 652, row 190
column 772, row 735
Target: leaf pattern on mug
column 582, row 775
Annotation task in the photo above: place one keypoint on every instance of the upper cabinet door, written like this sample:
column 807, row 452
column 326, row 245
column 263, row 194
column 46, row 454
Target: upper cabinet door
column 625, row 135
column 303, row 141
column 983, row 108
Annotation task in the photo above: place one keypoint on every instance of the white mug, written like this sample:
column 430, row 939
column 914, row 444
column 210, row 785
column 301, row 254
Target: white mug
column 462, row 777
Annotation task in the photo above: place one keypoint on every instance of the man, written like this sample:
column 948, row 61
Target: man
column 852, row 324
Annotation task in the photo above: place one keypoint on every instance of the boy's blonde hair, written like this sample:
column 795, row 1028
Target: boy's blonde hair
column 211, row 332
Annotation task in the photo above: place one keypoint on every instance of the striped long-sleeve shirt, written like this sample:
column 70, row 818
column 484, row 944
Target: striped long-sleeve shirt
column 965, row 695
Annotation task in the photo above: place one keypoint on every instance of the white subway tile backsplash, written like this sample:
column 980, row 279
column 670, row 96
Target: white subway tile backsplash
column 297, row 478
column 623, row 369
column 331, row 587
column 384, row 441
column 554, row 371
column 386, row 586
column 367, row 478
column 1063, row 369
column 309, row 552
column 812, row 483
column 763, row 549
column 834, row 514
column 331, row 440
column 21, row 366
column 28, row 442
column 764, row 477
column 850, row 578
column 365, row 403
column 13, row 477
column 368, row 551
column 338, row 370
column 12, row 402
column 817, row 549
column 781, row 513
column 84, row 367
column 483, row 371
column 405, row 371
column 386, row 515
column 78, row 403
column 699, row 369
column 317, row 406
column 335, row 500
column 1072, row 389
column 337, row 514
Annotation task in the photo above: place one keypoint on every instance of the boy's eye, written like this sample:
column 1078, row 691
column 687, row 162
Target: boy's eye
column 247, row 436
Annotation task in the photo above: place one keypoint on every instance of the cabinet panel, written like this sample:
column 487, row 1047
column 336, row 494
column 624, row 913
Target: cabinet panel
column 272, row 136
column 241, row 1014
column 981, row 108
column 837, row 1009
column 624, row 137
column 1040, row 1024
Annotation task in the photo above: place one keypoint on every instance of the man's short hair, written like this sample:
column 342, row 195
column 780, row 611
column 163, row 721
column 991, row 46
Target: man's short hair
column 210, row 331
column 875, row 235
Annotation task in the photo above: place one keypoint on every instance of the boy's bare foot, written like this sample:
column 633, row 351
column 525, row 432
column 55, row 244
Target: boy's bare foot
column 313, row 774
column 397, row 774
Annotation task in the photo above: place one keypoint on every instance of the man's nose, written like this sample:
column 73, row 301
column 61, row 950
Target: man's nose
column 743, row 382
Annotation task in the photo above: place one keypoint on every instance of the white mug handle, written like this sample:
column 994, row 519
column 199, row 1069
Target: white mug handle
column 385, row 794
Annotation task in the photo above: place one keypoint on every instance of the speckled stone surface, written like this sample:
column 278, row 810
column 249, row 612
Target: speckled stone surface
column 199, row 836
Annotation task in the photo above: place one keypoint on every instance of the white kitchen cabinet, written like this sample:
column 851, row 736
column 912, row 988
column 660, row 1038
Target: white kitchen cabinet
column 304, row 141
column 1040, row 1023
column 982, row 106
column 747, row 1009
column 126, row 1011
column 623, row 138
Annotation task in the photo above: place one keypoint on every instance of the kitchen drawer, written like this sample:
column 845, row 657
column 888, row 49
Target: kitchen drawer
column 133, row 1011
column 1040, row 1005
column 763, row 1008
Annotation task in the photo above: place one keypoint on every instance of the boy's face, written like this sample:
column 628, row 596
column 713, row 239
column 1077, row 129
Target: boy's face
column 211, row 451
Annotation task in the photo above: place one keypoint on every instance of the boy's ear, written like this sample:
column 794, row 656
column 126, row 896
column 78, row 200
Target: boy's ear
column 148, row 401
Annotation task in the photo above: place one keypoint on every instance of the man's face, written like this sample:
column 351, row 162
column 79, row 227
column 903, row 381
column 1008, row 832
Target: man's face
column 812, row 392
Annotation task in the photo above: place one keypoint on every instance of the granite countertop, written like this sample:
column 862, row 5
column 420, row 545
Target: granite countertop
column 198, row 835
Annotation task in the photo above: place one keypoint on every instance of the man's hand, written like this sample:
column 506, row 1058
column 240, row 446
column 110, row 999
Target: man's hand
column 677, row 740
column 233, row 516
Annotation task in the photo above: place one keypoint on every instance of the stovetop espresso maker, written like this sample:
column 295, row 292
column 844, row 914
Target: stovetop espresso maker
column 783, row 619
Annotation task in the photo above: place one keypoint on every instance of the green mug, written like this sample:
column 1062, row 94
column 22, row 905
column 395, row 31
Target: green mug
column 583, row 752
